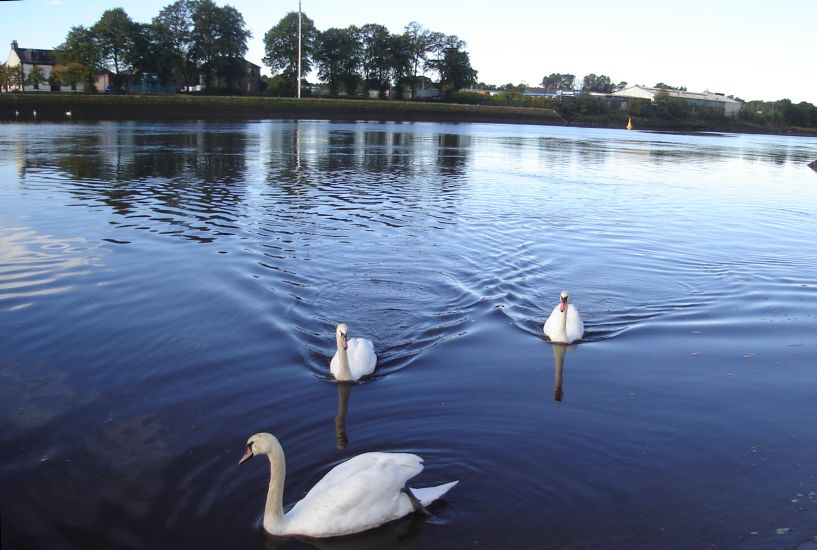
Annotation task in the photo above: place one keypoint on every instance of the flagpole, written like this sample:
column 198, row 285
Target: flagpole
column 298, row 85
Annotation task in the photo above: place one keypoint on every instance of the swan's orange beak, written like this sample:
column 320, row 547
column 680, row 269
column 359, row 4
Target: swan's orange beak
column 345, row 340
column 562, row 304
column 247, row 455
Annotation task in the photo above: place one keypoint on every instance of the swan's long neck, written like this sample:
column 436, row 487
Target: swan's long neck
column 274, row 509
column 563, row 326
column 344, row 372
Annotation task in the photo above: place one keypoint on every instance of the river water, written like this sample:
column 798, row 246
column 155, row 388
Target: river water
column 167, row 290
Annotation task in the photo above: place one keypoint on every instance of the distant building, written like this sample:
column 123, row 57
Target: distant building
column 24, row 60
column 248, row 81
column 729, row 107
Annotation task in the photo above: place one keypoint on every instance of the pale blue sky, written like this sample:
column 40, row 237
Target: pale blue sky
column 755, row 50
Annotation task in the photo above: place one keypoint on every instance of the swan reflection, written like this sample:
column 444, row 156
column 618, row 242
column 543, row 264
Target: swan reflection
column 559, row 351
column 344, row 389
column 403, row 533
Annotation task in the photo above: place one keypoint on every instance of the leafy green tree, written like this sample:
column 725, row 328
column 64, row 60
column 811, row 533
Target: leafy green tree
column 173, row 34
column 338, row 58
column 219, row 39
column 70, row 74
column 453, row 64
column 35, row 77
column 556, row 82
column 668, row 108
column 80, row 47
column 418, row 44
column 9, row 78
column 400, row 63
column 281, row 47
column 376, row 41
column 663, row 86
column 600, row 83
column 114, row 34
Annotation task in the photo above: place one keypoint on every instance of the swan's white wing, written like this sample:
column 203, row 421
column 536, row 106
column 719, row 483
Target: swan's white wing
column 362, row 358
column 552, row 324
column 574, row 329
column 575, row 325
column 334, row 365
column 357, row 495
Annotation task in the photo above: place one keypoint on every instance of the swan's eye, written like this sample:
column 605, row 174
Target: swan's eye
column 249, row 445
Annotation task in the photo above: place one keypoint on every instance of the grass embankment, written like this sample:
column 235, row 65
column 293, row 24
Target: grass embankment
column 53, row 106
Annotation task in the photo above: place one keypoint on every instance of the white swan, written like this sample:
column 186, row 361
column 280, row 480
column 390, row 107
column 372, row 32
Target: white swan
column 355, row 357
column 364, row 492
column 564, row 325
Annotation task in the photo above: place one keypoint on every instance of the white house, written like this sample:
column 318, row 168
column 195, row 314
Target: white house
column 25, row 59
column 728, row 106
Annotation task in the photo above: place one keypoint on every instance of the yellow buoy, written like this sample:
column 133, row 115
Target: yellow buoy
column 629, row 123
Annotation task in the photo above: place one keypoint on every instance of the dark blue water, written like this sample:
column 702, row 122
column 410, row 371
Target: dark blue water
column 167, row 290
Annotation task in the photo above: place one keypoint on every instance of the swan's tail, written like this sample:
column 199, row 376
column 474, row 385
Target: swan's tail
column 427, row 495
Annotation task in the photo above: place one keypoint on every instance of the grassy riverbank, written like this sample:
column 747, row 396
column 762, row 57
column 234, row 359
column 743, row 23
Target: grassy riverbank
column 121, row 107
column 54, row 106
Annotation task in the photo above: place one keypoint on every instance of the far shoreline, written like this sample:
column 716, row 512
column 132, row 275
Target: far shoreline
column 97, row 107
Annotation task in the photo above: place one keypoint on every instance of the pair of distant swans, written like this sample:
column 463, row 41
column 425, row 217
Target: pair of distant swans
column 370, row 489
column 355, row 357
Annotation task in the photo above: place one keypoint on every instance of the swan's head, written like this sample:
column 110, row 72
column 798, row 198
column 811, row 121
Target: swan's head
column 563, row 297
column 259, row 444
column 342, row 336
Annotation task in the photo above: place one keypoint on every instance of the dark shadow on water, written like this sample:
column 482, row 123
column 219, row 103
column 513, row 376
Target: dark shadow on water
column 403, row 533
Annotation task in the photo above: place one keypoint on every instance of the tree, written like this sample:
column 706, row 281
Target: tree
column 80, row 47
column 219, row 39
column 35, row 77
column 9, row 78
column 376, row 41
column 600, row 83
column 418, row 44
column 556, row 82
column 173, row 33
column 114, row 34
column 663, row 86
column 400, row 63
column 453, row 64
column 337, row 57
column 70, row 74
column 281, row 47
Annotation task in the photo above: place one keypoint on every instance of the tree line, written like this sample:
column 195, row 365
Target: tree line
column 191, row 40
column 353, row 60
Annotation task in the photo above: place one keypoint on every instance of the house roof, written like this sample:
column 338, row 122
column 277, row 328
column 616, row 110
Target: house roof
column 640, row 91
column 34, row 56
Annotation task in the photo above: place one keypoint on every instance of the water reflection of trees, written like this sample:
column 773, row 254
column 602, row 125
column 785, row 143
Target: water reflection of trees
column 186, row 177
column 384, row 165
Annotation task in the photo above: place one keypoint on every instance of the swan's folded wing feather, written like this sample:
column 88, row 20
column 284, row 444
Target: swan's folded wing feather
column 362, row 358
column 359, row 494
column 552, row 323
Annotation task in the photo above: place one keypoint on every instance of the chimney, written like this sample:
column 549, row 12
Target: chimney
column 13, row 44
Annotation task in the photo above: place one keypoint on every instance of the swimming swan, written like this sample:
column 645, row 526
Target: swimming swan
column 564, row 325
column 355, row 357
column 364, row 492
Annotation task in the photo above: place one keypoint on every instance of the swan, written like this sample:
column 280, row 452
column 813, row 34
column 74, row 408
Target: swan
column 364, row 492
column 68, row 114
column 355, row 357
column 564, row 325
